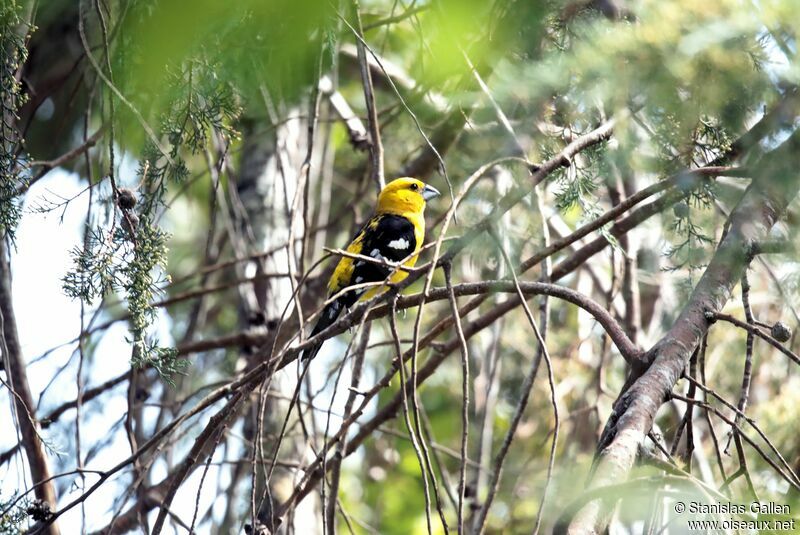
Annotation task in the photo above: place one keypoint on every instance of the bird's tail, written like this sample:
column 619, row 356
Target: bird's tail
column 326, row 319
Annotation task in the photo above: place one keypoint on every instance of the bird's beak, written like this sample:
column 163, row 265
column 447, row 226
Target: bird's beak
column 429, row 192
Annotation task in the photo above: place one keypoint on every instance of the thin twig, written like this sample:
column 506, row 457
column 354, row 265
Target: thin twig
column 146, row 127
column 740, row 433
column 49, row 165
column 406, row 107
column 750, row 421
column 757, row 332
column 375, row 144
column 747, row 374
column 411, row 433
column 465, row 382
column 527, row 386
column 408, row 13
column 358, row 366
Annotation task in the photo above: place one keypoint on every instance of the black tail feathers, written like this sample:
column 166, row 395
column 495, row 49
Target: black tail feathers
column 326, row 319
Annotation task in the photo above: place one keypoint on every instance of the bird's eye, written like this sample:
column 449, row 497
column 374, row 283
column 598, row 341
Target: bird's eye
column 414, row 187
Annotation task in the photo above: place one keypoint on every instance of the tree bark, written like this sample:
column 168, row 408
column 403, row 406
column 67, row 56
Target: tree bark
column 21, row 392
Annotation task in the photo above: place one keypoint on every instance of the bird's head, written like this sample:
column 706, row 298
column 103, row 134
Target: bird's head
column 404, row 195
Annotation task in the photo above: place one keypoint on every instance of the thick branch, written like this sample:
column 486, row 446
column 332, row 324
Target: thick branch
column 23, row 400
column 627, row 349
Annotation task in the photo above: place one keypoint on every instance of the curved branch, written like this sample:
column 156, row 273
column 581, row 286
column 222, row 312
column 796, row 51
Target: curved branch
column 390, row 409
column 627, row 348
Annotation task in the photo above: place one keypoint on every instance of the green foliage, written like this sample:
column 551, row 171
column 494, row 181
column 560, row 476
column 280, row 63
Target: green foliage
column 172, row 53
column 201, row 104
column 693, row 243
column 121, row 260
column 149, row 252
column 577, row 192
column 12, row 54
column 579, row 182
column 94, row 272
column 164, row 360
column 684, row 66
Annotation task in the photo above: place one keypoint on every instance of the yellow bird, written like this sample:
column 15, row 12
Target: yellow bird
column 394, row 233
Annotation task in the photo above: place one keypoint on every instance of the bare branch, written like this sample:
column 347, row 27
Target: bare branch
column 49, row 165
column 375, row 144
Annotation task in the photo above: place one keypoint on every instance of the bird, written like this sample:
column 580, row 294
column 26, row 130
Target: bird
column 394, row 233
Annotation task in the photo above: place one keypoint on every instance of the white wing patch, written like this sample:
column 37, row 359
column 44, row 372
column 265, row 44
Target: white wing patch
column 376, row 253
column 400, row 244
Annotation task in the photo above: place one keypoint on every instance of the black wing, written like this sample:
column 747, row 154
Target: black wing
column 387, row 237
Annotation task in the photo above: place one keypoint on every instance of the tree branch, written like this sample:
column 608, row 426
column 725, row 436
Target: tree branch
column 375, row 144
column 23, row 400
column 49, row 165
